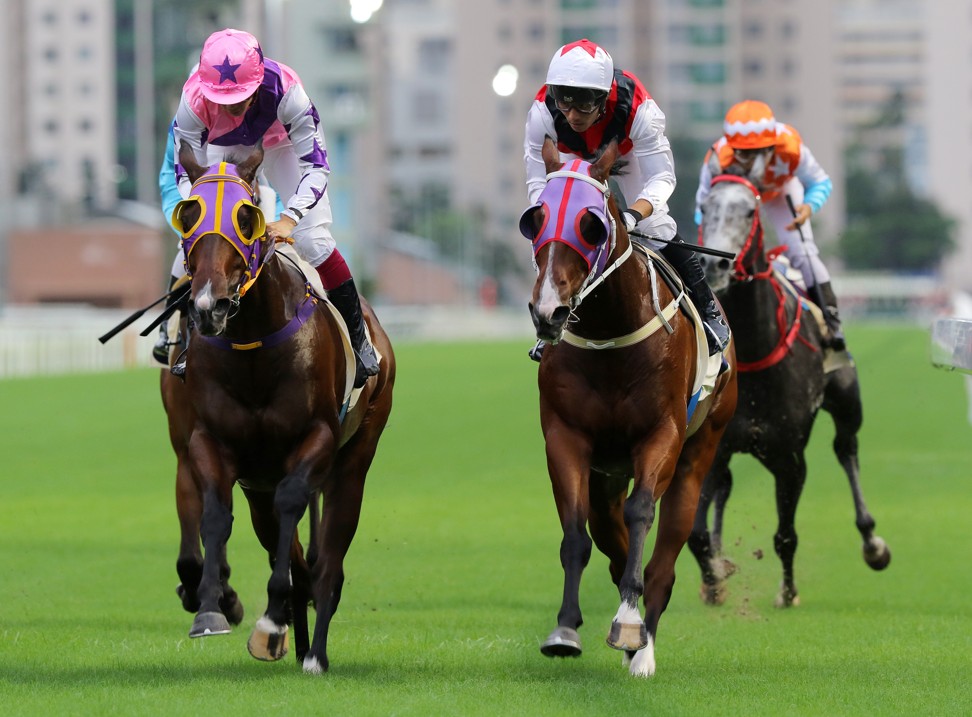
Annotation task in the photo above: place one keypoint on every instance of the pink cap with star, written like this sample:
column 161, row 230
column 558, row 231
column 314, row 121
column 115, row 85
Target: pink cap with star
column 230, row 66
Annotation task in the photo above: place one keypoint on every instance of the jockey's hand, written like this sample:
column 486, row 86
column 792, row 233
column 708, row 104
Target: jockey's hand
column 803, row 213
column 631, row 219
column 280, row 229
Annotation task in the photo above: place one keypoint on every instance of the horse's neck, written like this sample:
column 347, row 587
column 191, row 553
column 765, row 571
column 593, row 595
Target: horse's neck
column 753, row 309
column 618, row 304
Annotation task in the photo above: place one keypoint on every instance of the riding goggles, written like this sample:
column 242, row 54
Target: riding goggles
column 579, row 99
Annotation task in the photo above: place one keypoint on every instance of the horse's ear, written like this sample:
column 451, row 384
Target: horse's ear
column 601, row 169
column 248, row 167
column 187, row 158
column 551, row 155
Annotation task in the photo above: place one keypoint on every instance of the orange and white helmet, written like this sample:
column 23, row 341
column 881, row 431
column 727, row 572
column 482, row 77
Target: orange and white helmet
column 230, row 66
column 750, row 124
column 581, row 64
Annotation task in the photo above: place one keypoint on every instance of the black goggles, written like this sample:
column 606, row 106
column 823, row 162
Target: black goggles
column 580, row 99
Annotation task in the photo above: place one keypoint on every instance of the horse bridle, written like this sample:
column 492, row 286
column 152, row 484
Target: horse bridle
column 740, row 272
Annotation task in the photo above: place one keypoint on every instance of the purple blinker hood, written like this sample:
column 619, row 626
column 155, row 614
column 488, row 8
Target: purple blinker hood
column 220, row 192
column 565, row 200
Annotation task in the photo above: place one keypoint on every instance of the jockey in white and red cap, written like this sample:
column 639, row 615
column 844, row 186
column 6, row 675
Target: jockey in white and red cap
column 774, row 158
column 236, row 98
column 584, row 105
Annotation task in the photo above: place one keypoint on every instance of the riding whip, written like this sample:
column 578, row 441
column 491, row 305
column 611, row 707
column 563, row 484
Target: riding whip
column 180, row 291
column 687, row 245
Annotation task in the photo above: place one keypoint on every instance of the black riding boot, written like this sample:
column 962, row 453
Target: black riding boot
column 837, row 340
column 160, row 352
column 686, row 263
column 345, row 298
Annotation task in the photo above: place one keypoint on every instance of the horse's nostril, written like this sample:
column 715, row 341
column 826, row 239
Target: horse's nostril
column 724, row 264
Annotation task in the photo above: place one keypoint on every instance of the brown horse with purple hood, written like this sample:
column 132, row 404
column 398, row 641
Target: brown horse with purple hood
column 620, row 401
column 267, row 403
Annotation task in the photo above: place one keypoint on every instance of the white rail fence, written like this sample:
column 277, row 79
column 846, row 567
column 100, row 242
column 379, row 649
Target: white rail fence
column 64, row 339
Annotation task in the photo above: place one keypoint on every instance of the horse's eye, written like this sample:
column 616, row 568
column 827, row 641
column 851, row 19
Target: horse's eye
column 750, row 213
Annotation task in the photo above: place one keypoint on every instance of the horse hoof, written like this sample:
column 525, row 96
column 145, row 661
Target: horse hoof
column 713, row 594
column 562, row 642
column 209, row 623
column 627, row 636
column 876, row 554
column 268, row 641
column 787, row 599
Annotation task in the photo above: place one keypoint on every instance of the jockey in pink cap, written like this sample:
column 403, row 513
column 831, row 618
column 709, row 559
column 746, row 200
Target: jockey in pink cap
column 237, row 98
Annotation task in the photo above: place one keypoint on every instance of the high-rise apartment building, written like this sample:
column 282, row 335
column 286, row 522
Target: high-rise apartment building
column 60, row 134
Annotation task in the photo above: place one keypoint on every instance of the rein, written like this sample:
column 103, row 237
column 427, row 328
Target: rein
column 753, row 246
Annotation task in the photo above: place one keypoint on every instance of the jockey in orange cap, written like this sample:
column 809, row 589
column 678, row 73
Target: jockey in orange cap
column 235, row 99
column 775, row 159
column 584, row 105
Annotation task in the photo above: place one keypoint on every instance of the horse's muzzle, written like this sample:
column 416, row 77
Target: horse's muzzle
column 550, row 328
column 211, row 322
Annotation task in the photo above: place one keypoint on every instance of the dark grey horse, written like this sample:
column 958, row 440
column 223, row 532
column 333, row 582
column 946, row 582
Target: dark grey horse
column 782, row 385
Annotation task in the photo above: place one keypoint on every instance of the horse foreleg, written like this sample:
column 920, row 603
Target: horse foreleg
column 628, row 630
column 606, row 521
column 189, row 564
column 676, row 518
column 722, row 491
column 339, row 522
column 269, row 639
column 789, row 473
column 568, row 462
column 216, row 527
column 706, row 545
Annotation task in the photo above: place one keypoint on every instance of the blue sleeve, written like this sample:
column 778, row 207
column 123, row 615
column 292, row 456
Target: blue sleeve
column 168, row 188
column 817, row 194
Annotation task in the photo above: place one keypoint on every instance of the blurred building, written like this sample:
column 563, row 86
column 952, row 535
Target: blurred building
column 423, row 104
column 60, row 131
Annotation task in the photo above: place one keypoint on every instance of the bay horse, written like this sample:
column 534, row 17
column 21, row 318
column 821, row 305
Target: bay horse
column 266, row 403
column 616, row 402
column 783, row 382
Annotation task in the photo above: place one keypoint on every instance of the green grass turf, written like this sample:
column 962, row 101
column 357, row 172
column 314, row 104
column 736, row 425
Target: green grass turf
column 454, row 577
